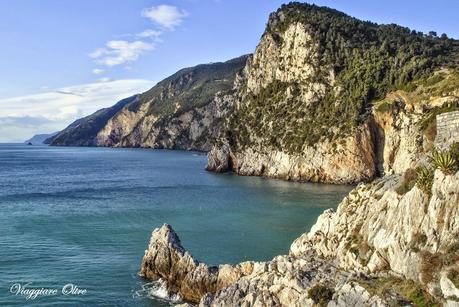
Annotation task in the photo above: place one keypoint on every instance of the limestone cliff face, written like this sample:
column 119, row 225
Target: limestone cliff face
column 351, row 160
column 195, row 129
column 83, row 132
column 295, row 61
column 374, row 233
column 376, row 229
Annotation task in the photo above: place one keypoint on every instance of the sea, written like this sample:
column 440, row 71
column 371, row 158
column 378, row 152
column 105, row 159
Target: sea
column 75, row 222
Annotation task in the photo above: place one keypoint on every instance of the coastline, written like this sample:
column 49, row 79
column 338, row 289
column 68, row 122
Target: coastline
column 344, row 256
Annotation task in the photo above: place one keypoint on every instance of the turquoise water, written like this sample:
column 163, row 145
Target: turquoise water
column 85, row 215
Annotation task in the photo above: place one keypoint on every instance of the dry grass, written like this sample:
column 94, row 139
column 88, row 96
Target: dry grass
column 399, row 292
column 430, row 265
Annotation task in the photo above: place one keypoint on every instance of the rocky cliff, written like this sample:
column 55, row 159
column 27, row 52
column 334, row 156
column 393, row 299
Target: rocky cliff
column 382, row 247
column 305, row 107
column 184, row 111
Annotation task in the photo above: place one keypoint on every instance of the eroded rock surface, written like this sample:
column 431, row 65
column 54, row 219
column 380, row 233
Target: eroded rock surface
column 166, row 259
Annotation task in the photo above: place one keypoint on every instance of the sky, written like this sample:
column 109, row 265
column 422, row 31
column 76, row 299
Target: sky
column 63, row 59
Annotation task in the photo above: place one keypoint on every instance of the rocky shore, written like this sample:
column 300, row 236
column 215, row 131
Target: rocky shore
column 382, row 247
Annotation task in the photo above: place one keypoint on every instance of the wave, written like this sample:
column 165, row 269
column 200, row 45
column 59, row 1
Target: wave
column 158, row 290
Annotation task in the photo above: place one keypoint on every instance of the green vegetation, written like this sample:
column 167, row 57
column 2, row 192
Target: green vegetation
column 368, row 61
column 422, row 176
column 321, row 294
column 430, row 117
column 425, row 177
column 189, row 88
column 399, row 292
column 445, row 161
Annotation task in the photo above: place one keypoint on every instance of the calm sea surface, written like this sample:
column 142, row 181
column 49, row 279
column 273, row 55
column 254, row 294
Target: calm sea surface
column 85, row 215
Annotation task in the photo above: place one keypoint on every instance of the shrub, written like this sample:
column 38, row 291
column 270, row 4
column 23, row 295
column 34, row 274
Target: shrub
column 432, row 263
column 430, row 266
column 420, row 297
column 320, row 294
column 453, row 275
column 384, row 107
column 454, row 150
column 424, row 180
column 430, row 131
column 409, row 180
column 444, row 160
column 419, row 240
column 434, row 80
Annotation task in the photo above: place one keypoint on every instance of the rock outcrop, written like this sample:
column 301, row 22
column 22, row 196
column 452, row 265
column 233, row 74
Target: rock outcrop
column 375, row 229
column 349, row 161
column 166, row 259
column 375, row 232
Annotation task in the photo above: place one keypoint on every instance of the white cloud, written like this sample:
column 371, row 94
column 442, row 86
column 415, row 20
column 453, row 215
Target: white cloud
column 22, row 117
column 166, row 16
column 149, row 33
column 98, row 71
column 104, row 79
column 120, row 51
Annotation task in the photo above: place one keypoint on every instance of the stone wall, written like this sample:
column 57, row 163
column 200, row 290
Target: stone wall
column 447, row 129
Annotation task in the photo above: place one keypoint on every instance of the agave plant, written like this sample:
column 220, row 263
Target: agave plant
column 425, row 178
column 445, row 161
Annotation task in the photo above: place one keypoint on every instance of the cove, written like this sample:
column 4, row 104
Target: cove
column 84, row 216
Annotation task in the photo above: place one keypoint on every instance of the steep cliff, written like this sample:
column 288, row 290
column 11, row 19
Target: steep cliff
column 382, row 247
column 184, row 111
column 304, row 109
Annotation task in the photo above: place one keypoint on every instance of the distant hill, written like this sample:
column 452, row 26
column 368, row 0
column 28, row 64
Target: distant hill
column 183, row 111
column 83, row 131
column 39, row 139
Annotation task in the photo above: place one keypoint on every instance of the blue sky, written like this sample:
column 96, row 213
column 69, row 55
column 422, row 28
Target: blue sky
column 98, row 51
